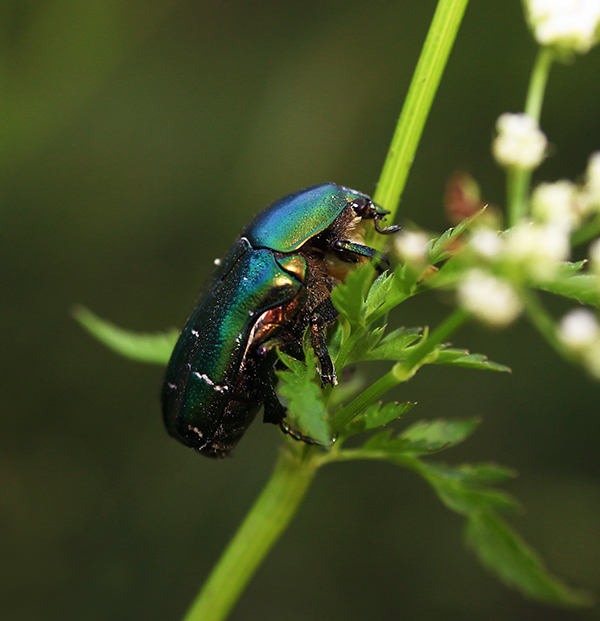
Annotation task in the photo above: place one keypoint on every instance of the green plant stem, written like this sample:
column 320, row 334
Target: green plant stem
column 268, row 518
column 542, row 321
column 518, row 180
column 457, row 318
column 401, row 371
column 424, row 84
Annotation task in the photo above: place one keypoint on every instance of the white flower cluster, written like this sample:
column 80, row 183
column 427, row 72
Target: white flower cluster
column 529, row 250
column 490, row 299
column 563, row 203
column 520, row 142
column 579, row 331
column 537, row 250
column 412, row 247
column 568, row 25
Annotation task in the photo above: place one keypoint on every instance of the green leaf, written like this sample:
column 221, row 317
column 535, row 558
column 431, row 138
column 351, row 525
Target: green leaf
column 462, row 358
column 473, row 474
column 504, row 553
column 150, row 348
column 461, row 494
column 300, row 387
column 376, row 416
column 584, row 288
column 569, row 267
column 392, row 347
column 387, row 292
column 363, row 347
column 435, row 435
column 438, row 250
column 349, row 297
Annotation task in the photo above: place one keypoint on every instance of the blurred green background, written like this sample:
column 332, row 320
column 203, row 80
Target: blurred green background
column 136, row 138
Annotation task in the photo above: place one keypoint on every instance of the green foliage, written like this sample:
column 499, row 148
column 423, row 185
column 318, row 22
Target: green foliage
column 462, row 358
column 151, row 348
column 584, row 288
column 505, row 554
column 378, row 415
column 301, row 390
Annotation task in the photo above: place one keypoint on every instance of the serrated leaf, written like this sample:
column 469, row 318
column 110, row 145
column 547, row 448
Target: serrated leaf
column 300, row 386
column 378, row 442
column 465, row 499
column 435, row 435
column 376, row 416
column 394, row 289
column 504, row 553
column 584, row 288
column 473, row 474
column 462, row 358
column 438, row 249
column 349, row 297
column 390, row 290
column 364, row 345
column 143, row 347
column 392, row 347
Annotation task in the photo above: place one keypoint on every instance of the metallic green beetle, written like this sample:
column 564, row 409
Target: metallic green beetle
column 274, row 283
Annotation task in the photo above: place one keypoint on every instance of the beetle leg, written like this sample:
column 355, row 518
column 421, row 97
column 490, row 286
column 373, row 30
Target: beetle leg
column 274, row 411
column 318, row 326
column 350, row 251
column 285, row 427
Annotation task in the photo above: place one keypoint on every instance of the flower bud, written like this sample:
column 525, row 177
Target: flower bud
column 488, row 298
column 578, row 329
column 568, row 25
column 520, row 142
column 555, row 204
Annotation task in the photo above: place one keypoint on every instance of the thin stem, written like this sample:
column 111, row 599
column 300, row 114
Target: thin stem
column 371, row 394
column 268, row 518
column 538, row 82
column 519, row 180
column 425, row 81
column 440, row 335
column 542, row 320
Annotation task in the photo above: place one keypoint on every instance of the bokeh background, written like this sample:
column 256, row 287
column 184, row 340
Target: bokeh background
column 136, row 138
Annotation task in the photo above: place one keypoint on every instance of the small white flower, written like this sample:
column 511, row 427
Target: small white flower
column 412, row 247
column 592, row 178
column 488, row 298
column 486, row 243
column 520, row 142
column 555, row 203
column 537, row 249
column 578, row 329
column 570, row 25
column 594, row 252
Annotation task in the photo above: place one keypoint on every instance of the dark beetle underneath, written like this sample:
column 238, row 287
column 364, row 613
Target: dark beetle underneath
column 274, row 283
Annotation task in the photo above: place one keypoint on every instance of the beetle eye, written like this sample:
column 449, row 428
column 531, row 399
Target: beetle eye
column 359, row 204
